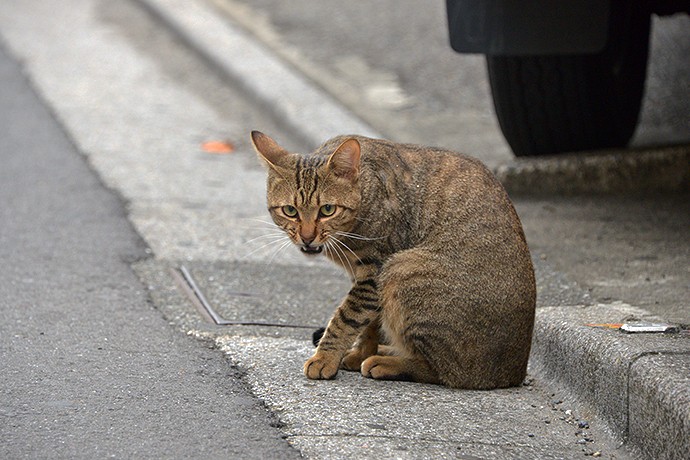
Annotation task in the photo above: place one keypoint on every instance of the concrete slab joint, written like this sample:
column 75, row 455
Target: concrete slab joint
column 645, row 405
column 659, row 403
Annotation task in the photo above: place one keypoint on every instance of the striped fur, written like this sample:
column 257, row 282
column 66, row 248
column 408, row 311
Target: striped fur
column 443, row 286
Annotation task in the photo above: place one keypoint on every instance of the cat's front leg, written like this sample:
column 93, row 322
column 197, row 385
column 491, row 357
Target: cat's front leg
column 357, row 311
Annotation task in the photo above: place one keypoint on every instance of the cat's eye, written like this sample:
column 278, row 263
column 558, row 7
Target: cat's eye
column 289, row 211
column 327, row 210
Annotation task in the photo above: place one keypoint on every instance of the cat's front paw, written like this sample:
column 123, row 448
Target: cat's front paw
column 321, row 366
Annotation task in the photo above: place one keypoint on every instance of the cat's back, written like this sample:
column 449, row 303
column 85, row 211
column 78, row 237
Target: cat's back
column 451, row 204
column 436, row 181
column 420, row 163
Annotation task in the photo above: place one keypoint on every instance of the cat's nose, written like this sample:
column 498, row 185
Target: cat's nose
column 308, row 234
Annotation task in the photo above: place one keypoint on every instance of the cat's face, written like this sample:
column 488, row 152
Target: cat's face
column 312, row 198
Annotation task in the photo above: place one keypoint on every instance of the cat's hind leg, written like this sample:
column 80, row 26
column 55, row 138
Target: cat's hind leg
column 367, row 345
column 406, row 287
column 399, row 368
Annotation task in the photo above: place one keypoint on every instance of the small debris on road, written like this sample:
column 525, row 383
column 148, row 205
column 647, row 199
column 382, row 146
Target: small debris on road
column 218, row 147
column 649, row 327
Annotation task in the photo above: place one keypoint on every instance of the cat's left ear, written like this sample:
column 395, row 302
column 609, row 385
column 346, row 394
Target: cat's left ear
column 269, row 151
column 344, row 162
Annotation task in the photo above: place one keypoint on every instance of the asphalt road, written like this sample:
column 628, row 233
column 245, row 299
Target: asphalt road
column 89, row 368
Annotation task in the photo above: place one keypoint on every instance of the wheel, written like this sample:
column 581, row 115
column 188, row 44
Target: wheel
column 553, row 104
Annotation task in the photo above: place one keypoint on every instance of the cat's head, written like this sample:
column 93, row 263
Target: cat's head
column 313, row 197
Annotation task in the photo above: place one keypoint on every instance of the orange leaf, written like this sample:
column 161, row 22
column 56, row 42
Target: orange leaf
column 218, row 147
column 606, row 325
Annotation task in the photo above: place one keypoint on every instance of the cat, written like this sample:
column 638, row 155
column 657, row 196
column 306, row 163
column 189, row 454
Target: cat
column 443, row 285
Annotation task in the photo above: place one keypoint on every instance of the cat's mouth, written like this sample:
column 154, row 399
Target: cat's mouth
column 309, row 249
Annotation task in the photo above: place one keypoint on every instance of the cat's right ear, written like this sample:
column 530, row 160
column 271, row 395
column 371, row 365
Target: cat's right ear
column 344, row 162
column 269, row 151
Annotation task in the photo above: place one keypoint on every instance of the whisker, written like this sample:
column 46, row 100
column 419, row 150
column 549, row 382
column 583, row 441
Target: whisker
column 260, row 228
column 356, row 236
column 329, row 252
column 270, row 243
column 274, row 229
column 348, row 248
column 266, row 223
column 327, row 249
column 275, row 235
column 332, row 253
column 263, row 229
column 263, row 221
column 338, row 251
column 334, row 248
column 282, row 246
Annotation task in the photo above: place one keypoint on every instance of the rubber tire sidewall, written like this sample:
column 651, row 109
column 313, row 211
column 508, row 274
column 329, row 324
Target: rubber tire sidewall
column 554, row 104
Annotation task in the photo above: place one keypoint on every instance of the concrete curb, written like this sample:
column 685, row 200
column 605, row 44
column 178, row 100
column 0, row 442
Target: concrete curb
column 630, row 171
column 617, row 375
column 307, row 111
column 638, row 383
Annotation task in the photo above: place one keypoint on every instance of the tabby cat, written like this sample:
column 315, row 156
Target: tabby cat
column 443, row 285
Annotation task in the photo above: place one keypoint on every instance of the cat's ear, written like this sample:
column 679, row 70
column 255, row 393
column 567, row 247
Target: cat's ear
column 344, row 162
column 269, row 151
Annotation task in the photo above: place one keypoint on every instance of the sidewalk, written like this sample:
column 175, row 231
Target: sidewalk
column 139, row 111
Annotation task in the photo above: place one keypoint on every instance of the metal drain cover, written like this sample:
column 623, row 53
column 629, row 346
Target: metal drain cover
column 261, row 295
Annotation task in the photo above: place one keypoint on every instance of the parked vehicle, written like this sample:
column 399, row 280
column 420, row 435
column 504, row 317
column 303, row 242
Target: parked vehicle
column 564, row 76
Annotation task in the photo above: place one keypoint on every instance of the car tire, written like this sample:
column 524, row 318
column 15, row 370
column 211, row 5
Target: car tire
column 553, row 104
